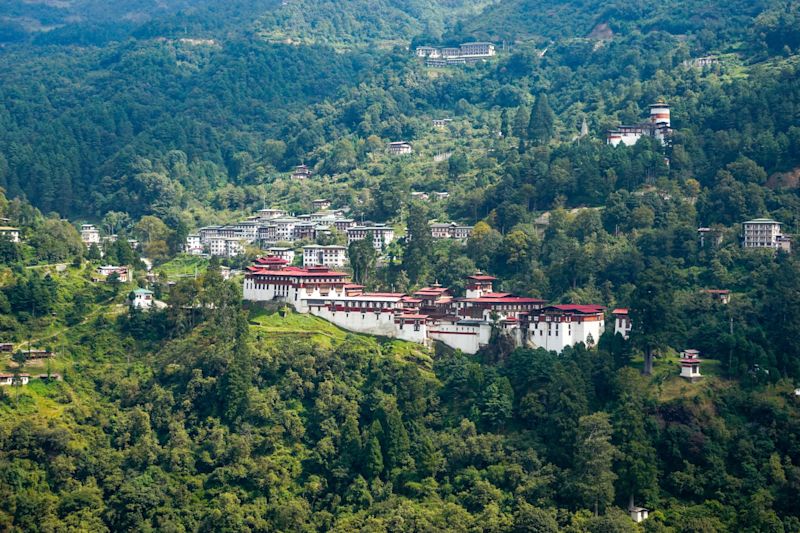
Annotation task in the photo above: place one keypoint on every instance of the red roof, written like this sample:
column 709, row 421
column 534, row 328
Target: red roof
column 353, row 286
column 413, row 317
column 716, row 291
column 620, row 311
column 503, row 300
column 577, row 308
column 298, row 272
column 383, row 294
column 482, row 277
column 271, row 260
column 496, row 294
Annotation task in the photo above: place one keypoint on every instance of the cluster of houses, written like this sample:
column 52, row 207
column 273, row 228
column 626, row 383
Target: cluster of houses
column 429, row 314
column 657, row 127
column 91, row 235
column 272, row 226
column 461, row 55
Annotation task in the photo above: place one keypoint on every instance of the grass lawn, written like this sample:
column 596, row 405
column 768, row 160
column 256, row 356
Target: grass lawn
column 183, row 266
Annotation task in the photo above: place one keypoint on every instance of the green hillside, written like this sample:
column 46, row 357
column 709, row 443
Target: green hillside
column 205, row 413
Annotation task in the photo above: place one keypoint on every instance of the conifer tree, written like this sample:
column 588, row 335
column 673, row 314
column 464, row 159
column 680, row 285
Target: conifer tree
column 541, row 126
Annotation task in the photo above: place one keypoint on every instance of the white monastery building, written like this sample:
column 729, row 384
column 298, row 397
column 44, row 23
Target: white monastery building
column 690, row 365
column 431, row 313
column 658, row 127
column 765, row 233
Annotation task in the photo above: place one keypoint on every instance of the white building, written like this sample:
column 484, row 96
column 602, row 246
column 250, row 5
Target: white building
column 690, row 365
column 331, row 256
column 6, row 380
column 90, row 235
column 658, row 127
column 399, row 148
column 555, row 327
column 284, row 253
column 638, row 514
column 450, row 231
column 381, row 235
column 226, row 246
column 10, row 233
column 765, row 233
column 193, row 244
column 141, row 299
column 622, row 322
column 477, row 50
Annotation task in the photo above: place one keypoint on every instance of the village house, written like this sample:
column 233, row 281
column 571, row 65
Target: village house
column 6, row 380
column 269, row 214
column 141, row 299
column 399, row 148
column 382, row 235
column 6, row 347
column 622, row 322
column 331, row 256
column 709, row 236
column 765, row 233
column 638, row 514
column 10, row 233
column 301, row 172
column 441, row 122
column 658, row 127
column 722, row 296
column 450, row 231
column 90, row 235
column 321, row 204
column 106, row 271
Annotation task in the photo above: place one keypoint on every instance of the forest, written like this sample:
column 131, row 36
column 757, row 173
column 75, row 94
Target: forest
column 207, row 413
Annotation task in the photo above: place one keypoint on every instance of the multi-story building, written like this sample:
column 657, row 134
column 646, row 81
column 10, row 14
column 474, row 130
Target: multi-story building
column 450, row 231
column 330, row 256
column 765, row 233
column 399, row 148
column 141, row 299
column 226, row 246
column 301, row 172
column 658, row 127
column 321, row 204
column 477, row 50
column 287, row 254
column 193, row 244
column 554, row 327
column 382, row 235
column 90, row 235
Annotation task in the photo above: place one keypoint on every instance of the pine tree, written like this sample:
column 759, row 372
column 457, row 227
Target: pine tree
column 419, row 243
column 373, row 456
column 541, row 127
column 396, row 443
column 521, row 118
column 592, row 474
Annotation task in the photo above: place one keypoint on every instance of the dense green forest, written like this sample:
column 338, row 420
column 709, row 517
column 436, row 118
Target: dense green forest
column 151, row 119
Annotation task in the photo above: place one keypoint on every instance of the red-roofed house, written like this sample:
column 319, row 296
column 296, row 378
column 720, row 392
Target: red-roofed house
column 478, row 284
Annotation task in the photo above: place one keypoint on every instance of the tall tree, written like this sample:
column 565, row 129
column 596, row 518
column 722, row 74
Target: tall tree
column 592, row 473
column 362, row 257
column 419, row 244
column 653, row 312
column 541, row 126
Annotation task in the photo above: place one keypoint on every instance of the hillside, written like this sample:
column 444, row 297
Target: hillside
column 598, row 160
